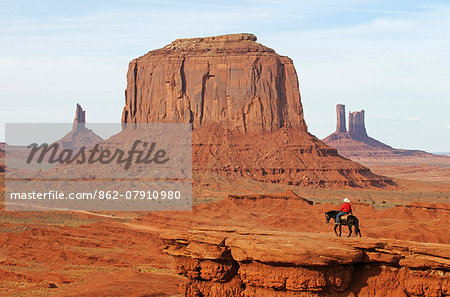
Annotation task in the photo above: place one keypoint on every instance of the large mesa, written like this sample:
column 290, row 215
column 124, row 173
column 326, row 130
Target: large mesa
column 243, row 101
column 229, row 80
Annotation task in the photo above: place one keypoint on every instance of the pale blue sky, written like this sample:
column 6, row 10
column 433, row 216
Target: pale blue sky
column 391, row 58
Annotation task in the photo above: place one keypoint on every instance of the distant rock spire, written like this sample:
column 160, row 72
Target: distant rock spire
column 356, row 125
column 80, row 117
column 358, row 146
column 340, row 119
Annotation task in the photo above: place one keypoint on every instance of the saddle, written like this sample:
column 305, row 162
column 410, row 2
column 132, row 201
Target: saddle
column 344, row 219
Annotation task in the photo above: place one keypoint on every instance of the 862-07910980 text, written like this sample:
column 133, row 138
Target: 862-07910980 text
column 102, row 195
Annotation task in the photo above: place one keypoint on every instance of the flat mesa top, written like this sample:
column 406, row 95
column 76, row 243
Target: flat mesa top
column 241, row 43
column 220, row 38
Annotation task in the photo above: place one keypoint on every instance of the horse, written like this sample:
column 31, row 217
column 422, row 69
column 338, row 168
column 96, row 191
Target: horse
column 351, row 221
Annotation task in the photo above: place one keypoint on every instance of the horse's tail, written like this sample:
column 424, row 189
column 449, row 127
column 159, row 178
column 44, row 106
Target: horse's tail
column 357, row 231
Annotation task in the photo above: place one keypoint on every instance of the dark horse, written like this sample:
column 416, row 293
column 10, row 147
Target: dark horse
column 351, row 221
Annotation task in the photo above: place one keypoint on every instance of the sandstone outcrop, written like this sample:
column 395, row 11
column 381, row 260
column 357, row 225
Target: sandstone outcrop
column 243, row 101
column 355, row 143
column 340, row 116
column 280, row 245
column 234, row 262
column 80, row 117
column 229, row 80
column 79, row 136
column 356, row 124
column 286, row 156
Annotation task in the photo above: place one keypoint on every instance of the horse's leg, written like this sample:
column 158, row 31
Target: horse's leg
column 350, row 230
column 357, row 230
column 335, row 232
column 340, row 230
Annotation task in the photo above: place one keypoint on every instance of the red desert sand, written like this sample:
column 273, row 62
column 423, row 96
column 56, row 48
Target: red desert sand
column 262, row 184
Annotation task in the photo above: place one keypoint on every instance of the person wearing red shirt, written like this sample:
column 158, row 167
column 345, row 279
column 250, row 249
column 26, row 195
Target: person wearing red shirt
column 345, row 209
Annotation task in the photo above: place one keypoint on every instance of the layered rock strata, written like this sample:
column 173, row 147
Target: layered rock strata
column 234, row 262
column 229, row 80
column 243, row 101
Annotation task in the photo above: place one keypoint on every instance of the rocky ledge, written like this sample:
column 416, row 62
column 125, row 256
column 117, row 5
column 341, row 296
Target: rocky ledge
column 238, row 262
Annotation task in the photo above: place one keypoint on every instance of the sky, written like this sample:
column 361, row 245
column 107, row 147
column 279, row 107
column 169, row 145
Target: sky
column 390, row 58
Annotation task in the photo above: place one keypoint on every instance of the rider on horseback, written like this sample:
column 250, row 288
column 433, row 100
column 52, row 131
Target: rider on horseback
column 345, row 209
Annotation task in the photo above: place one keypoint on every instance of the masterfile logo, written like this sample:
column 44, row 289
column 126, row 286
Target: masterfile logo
column 98, row 167
column 146, row 155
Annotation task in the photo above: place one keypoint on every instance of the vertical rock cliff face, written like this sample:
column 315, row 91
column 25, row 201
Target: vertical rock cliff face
column 80, row 117
column 340, row 115
column 261, row 263
column 229, row 80
column 243, row 101
column 356, row 124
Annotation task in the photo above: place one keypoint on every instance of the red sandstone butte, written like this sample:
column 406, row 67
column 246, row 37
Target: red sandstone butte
column 80, row 116
column 357, row 145
column 340, row 116
column 243, row 101
column 229, row 80
column 79, row 136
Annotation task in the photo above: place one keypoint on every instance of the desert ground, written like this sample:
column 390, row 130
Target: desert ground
column 121, row 254
column 261, row 187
